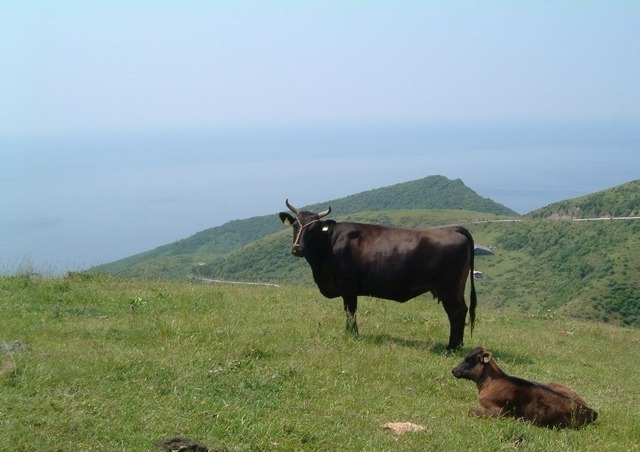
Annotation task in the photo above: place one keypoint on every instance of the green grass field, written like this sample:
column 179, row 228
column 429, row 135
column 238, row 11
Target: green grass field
column 111, row 364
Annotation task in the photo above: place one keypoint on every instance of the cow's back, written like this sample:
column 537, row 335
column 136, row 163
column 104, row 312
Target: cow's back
column 399, row 264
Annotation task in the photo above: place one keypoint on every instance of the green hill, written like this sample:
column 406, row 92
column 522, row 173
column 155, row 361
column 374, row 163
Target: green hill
column 433, row 192
column 620, row 201
column 585, row 269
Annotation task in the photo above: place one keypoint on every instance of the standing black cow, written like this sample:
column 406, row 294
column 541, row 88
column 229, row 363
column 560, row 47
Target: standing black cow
column 351, row 259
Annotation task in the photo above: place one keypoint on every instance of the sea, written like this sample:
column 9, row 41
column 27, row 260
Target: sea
column 75, row 200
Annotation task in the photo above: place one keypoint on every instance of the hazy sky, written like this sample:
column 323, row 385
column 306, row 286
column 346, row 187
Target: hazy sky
column 93, row 66
column 128, row 125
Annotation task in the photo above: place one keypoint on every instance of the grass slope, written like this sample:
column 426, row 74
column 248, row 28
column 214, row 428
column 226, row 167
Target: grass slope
column 433, row 192
column 620, row 201
column 113, row 364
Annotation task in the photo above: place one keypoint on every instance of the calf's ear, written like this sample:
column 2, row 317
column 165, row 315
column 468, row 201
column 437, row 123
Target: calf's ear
column 486, row 357
column 286, row 218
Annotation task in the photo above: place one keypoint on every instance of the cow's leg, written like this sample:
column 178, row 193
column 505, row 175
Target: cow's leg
column 456, row 310
column 350, row 307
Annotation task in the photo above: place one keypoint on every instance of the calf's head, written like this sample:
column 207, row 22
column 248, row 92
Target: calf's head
column 472, row 367
column 305, row 225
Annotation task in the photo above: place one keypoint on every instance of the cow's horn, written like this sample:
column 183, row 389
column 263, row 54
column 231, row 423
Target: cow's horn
column 291, row 208
column 324, row 213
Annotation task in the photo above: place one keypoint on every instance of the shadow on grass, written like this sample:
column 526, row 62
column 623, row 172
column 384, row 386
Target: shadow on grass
column 439, row 348
column 424, row 345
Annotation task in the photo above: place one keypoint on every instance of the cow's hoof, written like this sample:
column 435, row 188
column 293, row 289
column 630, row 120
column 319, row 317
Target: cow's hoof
column 352, row 329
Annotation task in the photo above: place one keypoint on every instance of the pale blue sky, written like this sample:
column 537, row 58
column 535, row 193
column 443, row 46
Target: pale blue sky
column 129, row 125
column 103, row 66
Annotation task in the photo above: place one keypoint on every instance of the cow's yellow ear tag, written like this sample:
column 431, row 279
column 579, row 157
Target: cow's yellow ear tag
column 286, row 221
column 486, row 359
column 325, row 229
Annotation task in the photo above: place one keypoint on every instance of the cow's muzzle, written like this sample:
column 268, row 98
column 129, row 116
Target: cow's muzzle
column 297, row 251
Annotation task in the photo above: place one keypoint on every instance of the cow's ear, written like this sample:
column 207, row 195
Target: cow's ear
column 486, row 357
column 327, row 226
column 286, row 218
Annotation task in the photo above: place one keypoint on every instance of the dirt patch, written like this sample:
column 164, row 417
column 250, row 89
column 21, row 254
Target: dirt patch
column 13, row 347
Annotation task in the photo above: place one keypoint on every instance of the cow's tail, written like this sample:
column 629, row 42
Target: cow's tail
column 474, row 299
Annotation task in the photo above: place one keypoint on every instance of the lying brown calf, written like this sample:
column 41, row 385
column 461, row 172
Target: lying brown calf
column 548, row 405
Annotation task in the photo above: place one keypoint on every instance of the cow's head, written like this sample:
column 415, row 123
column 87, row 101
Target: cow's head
column 305, row 226
column 473, row 365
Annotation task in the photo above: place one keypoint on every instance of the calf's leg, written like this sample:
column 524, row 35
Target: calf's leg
column 485, row 412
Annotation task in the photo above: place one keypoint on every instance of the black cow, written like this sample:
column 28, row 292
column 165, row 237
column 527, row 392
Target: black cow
column 351, row 259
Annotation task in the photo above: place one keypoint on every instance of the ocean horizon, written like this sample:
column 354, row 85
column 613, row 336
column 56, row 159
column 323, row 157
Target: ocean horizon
column 70, row 202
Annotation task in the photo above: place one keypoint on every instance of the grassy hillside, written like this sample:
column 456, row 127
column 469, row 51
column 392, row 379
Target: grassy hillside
column 584, row 269
column 210, row 242
column 433, row 192
column 100, row 363
column 621, row 201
